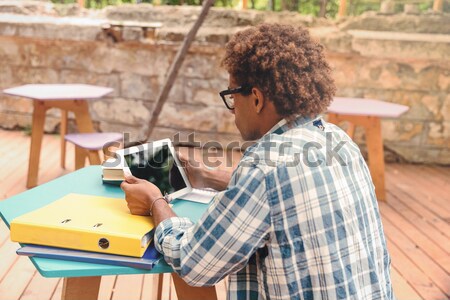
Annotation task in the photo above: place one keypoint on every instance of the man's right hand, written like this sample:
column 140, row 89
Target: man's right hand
column 139, row 194
column 195, row 170
column 201, row 176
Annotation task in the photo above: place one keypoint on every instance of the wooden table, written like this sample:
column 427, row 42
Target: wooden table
column 82, row 280
column 367, row 113
column 67, row 97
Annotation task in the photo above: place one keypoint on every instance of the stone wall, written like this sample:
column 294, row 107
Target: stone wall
column 411, row 67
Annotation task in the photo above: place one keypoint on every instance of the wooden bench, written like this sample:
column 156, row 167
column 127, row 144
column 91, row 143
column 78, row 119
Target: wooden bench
column 367, row 113
column 114, row 29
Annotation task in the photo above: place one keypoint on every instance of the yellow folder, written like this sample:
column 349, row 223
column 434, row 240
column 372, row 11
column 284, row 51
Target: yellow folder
column 85, row 222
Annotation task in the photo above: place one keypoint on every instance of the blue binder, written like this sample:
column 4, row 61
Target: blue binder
column 147, row 261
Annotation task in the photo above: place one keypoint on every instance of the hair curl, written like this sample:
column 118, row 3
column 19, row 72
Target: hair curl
column 285, row 64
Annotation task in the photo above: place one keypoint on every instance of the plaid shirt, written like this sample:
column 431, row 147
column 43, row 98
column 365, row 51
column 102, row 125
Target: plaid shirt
column 297, row 221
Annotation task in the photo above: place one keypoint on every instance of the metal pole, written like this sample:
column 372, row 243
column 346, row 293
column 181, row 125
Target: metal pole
column 175, row 67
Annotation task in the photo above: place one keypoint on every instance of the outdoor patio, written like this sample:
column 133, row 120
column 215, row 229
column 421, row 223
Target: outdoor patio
column 415, row 219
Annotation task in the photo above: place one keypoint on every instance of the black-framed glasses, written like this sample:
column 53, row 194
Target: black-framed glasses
column 227, row 95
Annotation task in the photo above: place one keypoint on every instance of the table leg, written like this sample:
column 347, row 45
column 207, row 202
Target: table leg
column 187, row 292
column 334, row 119
column 375, row 154
column 374, row 142
column 37, row 133
column 76, row 288
column 160, row 286
column 351, row 130
column 63, row 132
column 80, row 157
column 94, row 157
column 84, row 124
column 82, row 117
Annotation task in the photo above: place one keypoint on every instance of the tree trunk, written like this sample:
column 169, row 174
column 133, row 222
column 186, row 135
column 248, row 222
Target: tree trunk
column 271, row 5
column 291, row 5
column 438, row 5
column 342, row 8
column 323, row 8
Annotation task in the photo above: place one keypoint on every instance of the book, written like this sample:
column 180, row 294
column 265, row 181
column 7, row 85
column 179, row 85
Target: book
column 112, row 172
column 85, row 222
column 147, row 261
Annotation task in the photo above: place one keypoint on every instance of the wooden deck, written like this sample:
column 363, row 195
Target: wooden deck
column 416, row 221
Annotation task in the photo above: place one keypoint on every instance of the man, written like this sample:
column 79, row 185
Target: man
column 299, row 217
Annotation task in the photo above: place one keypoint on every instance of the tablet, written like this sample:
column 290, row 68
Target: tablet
column 158, row 163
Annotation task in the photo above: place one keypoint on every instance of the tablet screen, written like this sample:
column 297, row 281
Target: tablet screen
column 158, row 166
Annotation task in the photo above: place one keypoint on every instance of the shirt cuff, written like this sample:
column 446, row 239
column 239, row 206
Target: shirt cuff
column 175, row 227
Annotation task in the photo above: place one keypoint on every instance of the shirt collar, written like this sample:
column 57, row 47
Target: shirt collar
column 281, row 127
column 284, row 125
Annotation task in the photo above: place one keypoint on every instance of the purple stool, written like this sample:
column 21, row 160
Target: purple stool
column 88, row 144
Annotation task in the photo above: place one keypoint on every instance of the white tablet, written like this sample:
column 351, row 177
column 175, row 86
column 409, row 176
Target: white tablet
column 158, row 163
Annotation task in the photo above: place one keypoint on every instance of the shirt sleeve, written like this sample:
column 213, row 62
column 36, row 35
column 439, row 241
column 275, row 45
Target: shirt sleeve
column 234, row 226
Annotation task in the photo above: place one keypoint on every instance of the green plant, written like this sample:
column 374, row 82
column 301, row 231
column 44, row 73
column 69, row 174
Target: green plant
column 27, row 130
column 320, row 8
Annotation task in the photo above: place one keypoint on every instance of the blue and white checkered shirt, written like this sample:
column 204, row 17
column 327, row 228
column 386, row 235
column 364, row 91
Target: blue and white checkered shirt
column 299, row 220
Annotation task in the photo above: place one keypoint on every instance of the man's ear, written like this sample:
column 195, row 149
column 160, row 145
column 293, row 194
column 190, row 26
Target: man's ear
column 258, row 99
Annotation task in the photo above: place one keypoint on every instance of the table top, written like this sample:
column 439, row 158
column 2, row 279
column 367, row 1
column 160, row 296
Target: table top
column 84, row 181
column 59, row 91
column 366, row 107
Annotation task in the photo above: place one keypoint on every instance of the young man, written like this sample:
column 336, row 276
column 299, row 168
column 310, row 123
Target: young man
column 299, row 217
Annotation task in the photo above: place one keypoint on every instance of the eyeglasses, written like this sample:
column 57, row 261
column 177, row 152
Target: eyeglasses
column 227, row 95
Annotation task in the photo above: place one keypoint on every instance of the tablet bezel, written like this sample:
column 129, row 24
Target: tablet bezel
column 156, row 145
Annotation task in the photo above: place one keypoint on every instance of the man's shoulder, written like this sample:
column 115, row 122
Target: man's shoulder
column 295, row 146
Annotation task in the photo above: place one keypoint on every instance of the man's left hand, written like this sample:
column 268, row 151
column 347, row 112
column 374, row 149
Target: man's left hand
column 139, row 195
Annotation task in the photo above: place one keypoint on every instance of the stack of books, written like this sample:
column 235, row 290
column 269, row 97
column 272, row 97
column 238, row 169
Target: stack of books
column 87, row 228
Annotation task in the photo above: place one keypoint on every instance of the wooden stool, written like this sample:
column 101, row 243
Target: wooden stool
column 367, row 113
column 88, row 144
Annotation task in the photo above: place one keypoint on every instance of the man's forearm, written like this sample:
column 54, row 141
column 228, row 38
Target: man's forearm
column 161, row 211
column 218, row 179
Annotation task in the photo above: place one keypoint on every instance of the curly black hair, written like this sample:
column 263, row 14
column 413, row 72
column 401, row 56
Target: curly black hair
column 285, row 64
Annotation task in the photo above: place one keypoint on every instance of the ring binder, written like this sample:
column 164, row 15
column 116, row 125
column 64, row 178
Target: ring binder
column 103, row 243
column 85, row 222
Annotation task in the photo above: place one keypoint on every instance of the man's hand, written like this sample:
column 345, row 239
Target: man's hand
column 195, row 171
column 139, row 195
column 200, row 176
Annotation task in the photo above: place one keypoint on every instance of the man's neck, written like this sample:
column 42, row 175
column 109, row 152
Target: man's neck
column 268, row 122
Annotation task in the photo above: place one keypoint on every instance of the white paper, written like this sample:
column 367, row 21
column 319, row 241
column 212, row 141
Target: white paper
column 199, row 195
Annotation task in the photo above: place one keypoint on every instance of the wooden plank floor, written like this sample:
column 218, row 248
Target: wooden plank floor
column 415, row 218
